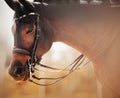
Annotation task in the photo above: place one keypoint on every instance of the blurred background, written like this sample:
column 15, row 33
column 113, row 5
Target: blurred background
column 80, row 84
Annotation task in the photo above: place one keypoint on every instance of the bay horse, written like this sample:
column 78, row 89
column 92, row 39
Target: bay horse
column 91, row 28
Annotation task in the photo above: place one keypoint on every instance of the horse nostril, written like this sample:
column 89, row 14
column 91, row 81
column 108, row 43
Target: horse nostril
column 18, row 71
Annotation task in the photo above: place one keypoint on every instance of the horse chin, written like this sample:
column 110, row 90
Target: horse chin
column 19, row 79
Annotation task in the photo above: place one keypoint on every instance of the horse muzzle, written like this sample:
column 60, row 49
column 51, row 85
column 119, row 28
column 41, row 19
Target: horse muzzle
column 19, row 72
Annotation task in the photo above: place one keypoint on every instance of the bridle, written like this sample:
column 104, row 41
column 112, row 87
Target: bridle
column 33, row 56
column 34, row 60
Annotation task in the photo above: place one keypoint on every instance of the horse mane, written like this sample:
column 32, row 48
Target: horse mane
column 78, row 1
column 55, row 2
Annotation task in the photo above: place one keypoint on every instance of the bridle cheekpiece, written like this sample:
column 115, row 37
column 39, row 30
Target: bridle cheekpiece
column 33, row 60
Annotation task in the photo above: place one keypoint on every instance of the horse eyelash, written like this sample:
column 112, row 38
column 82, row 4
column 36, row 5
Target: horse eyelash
column 29, row 31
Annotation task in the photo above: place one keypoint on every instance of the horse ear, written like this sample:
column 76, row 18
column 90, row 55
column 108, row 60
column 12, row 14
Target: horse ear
column 15, row 5
column 27, row 5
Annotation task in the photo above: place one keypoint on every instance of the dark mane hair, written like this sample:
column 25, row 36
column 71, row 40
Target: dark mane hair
column 24, row 10
column 78, row 1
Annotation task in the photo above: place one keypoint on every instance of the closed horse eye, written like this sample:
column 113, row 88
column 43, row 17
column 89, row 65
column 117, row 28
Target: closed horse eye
column 29, row 31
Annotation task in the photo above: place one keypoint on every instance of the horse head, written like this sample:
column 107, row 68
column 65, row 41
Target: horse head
column 32, row 38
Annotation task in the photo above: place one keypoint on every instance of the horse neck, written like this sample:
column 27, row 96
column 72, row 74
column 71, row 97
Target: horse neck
column 95, row 33
column 84, row 28
column 85, row 38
